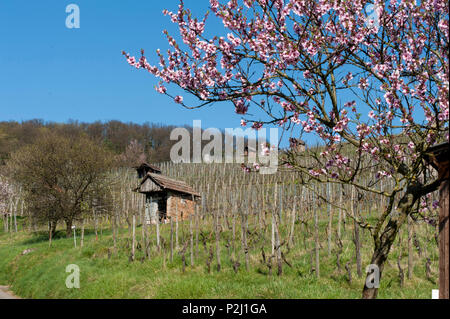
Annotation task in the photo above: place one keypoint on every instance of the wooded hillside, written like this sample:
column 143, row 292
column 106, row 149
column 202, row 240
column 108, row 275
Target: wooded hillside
column 114, row 135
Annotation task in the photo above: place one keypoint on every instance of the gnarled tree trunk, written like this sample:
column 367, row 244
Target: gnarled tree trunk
column 384, row 241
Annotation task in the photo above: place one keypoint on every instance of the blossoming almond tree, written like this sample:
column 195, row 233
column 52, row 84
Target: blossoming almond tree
column 367, row 76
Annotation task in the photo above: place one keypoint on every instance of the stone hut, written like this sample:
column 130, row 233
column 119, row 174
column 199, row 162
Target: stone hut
column 250, row 151
column 166, row 198
column 297, row 145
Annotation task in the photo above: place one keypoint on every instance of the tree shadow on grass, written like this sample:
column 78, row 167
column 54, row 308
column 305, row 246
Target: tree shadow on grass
column 42, row 236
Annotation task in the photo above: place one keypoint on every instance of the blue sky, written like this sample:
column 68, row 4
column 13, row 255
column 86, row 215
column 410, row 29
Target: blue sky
column 50, row 72
column 54, row 73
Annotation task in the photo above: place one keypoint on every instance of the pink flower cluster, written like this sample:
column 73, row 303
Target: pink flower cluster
column 311, row 60
column 241, row 107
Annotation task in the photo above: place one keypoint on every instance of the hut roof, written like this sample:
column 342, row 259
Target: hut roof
column 249, row 149
column 150, row 166
column 437, row 153
column 439, row 148
column 171, row 184
column 297, row 141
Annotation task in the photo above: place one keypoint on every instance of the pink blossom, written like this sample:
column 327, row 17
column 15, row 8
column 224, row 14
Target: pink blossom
column 240, row 106
column 374, row 150
column 236, row 41
column 382, row 174
column 363, row 83
column 257, row 125
column 178, row 99
column 268, row 53
column 350, row 104
column 265, row 150
column 314, row 173
column 347, row 78
column 161, row 89
column 435, row 204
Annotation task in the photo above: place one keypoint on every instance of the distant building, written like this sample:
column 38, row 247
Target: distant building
column 297, row 145
column 145, row 168
column 165, row 198
column 250, row 151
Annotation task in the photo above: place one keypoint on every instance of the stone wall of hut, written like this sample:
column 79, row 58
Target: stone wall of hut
column 183, row 204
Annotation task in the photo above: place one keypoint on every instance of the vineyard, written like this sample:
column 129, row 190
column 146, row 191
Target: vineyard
column 246, row 225
column 323, row 173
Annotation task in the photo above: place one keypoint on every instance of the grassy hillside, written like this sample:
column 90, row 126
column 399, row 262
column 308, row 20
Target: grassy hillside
column 233, row 204
column 105, row 274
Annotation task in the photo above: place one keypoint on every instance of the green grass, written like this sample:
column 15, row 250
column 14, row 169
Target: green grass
column 41, row 273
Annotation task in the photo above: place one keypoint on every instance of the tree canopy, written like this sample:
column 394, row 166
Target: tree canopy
column 62, row 178
column 369, row 76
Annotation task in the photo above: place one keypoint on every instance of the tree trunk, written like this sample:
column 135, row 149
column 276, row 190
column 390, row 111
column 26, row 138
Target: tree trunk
column 273, row 220
column 82, row 234
column 357, row 241
column 384, row 242
column 52, row 228
column 68, row 228
column 410, row 249
column 356, row 238
column 330, row 218
column 15, row 215
column 340, row 214
column 278, row 248
column 50, row 233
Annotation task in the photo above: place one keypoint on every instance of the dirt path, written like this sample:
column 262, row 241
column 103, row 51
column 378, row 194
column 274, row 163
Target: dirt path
column 6, row 294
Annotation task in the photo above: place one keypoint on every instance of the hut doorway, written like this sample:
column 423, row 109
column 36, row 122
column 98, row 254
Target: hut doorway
column 155, row 209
